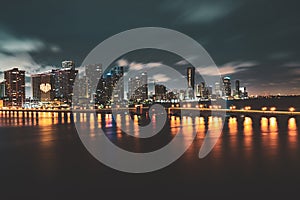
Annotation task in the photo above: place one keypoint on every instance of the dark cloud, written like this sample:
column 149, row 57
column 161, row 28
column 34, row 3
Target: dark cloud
column 263, row 32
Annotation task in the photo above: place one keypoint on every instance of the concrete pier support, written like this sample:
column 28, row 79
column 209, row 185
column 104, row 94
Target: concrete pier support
column 256, row 123
column 240, row 123
column 59, row 117
column 72, row 117
column 282, row 123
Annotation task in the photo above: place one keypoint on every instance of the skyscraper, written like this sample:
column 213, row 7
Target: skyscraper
column 138, row 87
column 110, row 86
column 191, row 77
column 160, row 92
column 93, row 73
column 43, row 86
column 2, row 90
column 118, row 83
column 144, row 86
column 227, row 86
column 218, row 90
column 64, row 81
column 237, row 89
column 200, row 89
column 14, row 87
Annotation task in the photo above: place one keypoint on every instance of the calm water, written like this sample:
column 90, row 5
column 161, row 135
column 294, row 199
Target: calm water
column 44, row 158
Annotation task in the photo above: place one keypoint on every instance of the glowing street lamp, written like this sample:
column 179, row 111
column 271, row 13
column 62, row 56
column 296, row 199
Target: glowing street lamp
column 264, row 108
column 247, row 108
column 273, row 108
column 291, row 109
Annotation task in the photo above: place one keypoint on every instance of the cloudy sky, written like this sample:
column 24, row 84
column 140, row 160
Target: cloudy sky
column 255, row 41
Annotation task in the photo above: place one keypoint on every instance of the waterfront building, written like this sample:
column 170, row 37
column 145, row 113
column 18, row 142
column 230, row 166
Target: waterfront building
column 160, row 92
column 226, row 86
column 237, row 93
column 110, row 86
column 43, row 86
column 93, row 74
column 190, row 74
column 14, row 87
column 138, row 87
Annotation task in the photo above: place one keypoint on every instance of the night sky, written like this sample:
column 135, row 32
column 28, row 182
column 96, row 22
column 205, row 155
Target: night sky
column 254, row 41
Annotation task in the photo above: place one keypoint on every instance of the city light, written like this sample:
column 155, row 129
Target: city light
column 247, row 108
column 291, row 109
column 232, row 107
column 273, row 108
column 264, row 108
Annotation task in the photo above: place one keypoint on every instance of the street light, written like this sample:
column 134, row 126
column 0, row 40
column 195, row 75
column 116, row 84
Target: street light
column 247, row 108
column 232, row 107
column 264, row 108
column 291, row 109
column 273, row 108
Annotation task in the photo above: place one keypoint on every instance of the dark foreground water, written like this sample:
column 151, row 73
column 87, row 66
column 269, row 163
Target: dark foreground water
column 45, row 159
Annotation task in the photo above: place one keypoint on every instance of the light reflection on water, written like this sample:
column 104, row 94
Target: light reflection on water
column 237, row 138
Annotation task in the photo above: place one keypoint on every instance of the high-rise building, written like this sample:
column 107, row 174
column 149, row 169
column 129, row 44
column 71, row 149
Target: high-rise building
column 64, row 81
column 226, row 86
column 144, row 86
column 237, row 89
column 243, row 92
column 110, row 86
column 2, row 90
column 138, row 87
column 93, row 73
column 218, row 90
column 160, row 92
column 43, row 86
column 81, row 90
column 118, row 83
column 14, row 87
column 207, row 92
column 200, row 89
column 191, row 77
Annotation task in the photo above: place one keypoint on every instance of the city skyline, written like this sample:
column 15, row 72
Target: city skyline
column 244, row 41
column 175, row 99
column 232, row 90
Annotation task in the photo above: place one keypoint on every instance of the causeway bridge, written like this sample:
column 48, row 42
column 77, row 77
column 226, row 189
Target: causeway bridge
column 256, row 115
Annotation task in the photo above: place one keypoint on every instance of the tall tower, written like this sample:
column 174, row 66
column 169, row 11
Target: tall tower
column 14, row 87
column 237, row 88
column 138, row 87
column 227, row 86
column 190, row 74
column 218, row 90
column 93, row 75
column 144, row 85
column 64, row 81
